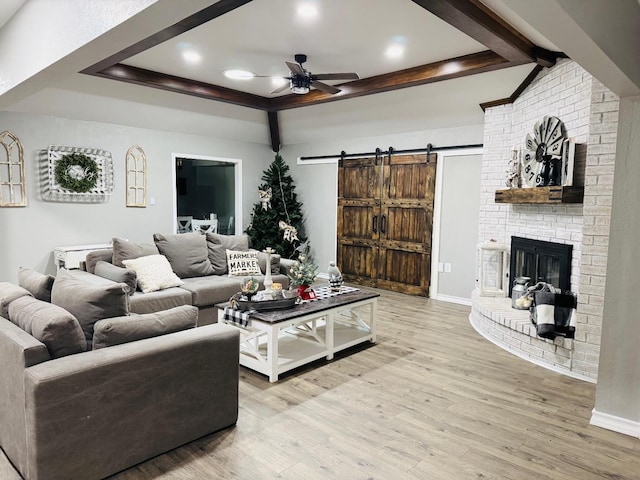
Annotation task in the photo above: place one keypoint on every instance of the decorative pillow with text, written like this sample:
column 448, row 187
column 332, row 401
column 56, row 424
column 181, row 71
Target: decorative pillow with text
column 243, row 263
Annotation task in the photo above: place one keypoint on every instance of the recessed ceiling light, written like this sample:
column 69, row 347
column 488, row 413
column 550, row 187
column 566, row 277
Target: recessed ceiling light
column 191, row 56
column 394, row 51
column 307, row 10
column 239, row 74
column 396, row 47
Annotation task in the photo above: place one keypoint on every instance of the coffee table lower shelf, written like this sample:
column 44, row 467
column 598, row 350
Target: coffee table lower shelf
column 275, row 347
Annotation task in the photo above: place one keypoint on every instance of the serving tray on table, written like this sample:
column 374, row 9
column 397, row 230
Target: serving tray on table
column 266, row 305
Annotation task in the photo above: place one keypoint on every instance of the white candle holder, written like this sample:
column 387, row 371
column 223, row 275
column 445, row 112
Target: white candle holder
column 268, row 281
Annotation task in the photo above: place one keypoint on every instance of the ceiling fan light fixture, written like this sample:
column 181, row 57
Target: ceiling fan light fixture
column 300, row 84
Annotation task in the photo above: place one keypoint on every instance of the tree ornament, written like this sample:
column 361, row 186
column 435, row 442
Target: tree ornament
column 290, row 232
column 265, row 198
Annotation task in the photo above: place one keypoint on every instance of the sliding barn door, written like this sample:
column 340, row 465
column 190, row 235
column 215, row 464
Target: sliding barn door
column 385, row 217
column 406, row 223
column 358, row 219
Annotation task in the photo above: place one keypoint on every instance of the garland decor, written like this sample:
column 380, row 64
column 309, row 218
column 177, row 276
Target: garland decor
column 77, row 172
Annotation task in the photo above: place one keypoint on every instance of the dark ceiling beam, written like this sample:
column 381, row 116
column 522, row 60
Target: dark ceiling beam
column 516, row 93
column 203, row 16
column 411, row 77
column 477, row 21
column 274, row 131
column 149, row 78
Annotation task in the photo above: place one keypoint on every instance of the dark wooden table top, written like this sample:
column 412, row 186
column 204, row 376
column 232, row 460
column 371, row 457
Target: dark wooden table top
column 299, row 310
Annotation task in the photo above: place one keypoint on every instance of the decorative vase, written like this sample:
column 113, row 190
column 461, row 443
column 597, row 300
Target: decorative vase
column 305, row 292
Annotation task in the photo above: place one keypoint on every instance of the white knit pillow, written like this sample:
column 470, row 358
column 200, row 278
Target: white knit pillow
column 153, row 273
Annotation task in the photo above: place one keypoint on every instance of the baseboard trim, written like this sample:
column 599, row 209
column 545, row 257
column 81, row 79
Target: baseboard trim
column 616, row 424
column 451, row 299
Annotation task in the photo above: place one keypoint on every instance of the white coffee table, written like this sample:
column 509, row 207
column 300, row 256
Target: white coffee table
column 277, row 341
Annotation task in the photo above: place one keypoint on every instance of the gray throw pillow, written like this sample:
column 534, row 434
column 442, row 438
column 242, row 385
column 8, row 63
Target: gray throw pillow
column 96, row 256
column 117, row 274
column 89, row 303
column 54, row 326
column 38, row 284
column 114, row 331
column 186, row 252
column 126, row 250
column 218, row 246
column 8, row 293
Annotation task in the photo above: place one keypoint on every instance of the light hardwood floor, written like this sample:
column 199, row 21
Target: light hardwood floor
column 431, row 400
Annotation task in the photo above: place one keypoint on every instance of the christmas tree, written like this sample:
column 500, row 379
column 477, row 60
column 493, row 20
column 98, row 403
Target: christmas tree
column 277, row 217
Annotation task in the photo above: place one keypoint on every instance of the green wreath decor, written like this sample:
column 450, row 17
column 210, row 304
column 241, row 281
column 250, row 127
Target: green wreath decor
column 77, row 172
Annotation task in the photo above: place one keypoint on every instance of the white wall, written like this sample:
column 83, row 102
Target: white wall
column 28, row 235
column 458, row 232
column 316, row 184
column 618, row 391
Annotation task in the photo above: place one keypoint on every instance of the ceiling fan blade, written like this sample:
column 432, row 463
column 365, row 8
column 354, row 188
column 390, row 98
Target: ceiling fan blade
column 336, row 76
column 280, row 89
column 325, row 87
column 295, row 68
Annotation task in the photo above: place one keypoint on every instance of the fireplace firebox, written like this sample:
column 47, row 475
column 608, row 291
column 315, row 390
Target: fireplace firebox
column 541, row 261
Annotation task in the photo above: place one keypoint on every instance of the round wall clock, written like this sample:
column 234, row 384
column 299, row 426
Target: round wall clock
column 541, row 149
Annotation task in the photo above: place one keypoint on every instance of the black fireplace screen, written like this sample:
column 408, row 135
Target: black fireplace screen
column 541, row 261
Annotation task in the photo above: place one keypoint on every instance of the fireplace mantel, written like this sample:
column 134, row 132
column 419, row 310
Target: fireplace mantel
column 541, row 195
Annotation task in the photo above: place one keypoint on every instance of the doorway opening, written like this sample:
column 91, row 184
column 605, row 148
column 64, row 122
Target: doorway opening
column 207, row 194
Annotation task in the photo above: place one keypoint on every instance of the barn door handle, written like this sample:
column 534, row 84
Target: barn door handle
column 375, row 224
column 383, row 224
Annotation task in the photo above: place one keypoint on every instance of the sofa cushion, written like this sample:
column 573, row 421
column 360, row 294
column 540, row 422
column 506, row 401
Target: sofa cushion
column 115, row 331
column 52, row 325
column 117, row 274
column 207, row 291
column 38, row 284
column 187, row 253
column 153, row 273
column 87, row 302
column 243, row 263
column 8, row 293
column 218, row 246
column 160, row 300
column 126, row 250
column 96, row 256
column 262, row 261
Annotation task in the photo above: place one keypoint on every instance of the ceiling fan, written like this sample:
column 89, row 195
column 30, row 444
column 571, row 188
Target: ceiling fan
column 302, row 80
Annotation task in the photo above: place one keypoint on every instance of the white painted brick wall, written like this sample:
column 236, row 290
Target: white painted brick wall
column 589, row 112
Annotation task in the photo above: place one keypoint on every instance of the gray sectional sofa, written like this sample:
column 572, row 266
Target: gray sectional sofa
column 89, row 389
column 200, row 262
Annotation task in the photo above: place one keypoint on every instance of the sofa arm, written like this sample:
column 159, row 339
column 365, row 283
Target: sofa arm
column 18, row 350
column 285, row 265
column 121, row 405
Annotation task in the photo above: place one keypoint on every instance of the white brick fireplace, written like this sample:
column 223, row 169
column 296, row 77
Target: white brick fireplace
column 590, row 114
